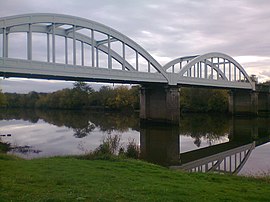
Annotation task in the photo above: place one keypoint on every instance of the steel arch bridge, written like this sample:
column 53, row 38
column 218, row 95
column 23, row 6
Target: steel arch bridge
column 94, row 52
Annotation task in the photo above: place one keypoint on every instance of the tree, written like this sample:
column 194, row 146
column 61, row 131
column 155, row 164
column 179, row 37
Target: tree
column 83, row 87
column 203, row 100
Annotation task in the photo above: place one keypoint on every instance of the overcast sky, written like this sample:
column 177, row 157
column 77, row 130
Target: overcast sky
column 167, row 29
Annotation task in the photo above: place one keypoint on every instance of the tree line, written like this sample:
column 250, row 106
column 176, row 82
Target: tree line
column 83, row 96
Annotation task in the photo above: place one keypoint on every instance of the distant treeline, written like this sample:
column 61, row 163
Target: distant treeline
column 83, row 96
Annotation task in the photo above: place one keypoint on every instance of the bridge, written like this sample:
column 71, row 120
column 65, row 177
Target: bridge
column 79, row 49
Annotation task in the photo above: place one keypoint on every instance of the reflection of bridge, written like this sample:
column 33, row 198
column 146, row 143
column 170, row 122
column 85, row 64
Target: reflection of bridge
column 79, row 49
column 228, row 161
column 222, row 158
column 161, row 145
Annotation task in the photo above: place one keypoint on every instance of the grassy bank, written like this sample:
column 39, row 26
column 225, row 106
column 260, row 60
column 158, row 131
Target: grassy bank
column 72, row 179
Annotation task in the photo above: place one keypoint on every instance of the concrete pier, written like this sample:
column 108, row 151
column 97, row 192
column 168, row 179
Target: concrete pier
column 160, row 104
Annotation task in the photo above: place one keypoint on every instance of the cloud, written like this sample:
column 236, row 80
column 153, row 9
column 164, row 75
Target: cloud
column 170, row 29
column 26, row 85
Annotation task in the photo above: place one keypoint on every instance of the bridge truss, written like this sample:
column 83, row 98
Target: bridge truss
column 80, row 49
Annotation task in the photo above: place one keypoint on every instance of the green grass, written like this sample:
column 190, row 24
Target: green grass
column 73, row 179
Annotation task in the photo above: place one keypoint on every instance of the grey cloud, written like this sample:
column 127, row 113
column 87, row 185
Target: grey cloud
column 176, row 28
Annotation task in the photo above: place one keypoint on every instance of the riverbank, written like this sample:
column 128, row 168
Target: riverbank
column 73, row 179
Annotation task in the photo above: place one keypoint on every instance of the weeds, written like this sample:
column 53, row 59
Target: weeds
column 133, row 150
column 4, row 147
column 110, row 145
column 111, row 149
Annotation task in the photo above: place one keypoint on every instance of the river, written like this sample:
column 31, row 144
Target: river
column 202, row 143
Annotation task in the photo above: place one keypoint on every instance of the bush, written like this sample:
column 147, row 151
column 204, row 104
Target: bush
column 4, row 147
column 108, row 149
column 133, row 150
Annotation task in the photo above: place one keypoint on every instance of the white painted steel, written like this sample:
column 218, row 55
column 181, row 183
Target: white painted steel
column 195, row 62
column 193, row 69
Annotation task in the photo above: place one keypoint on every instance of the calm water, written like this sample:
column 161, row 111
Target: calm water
column 201, row 143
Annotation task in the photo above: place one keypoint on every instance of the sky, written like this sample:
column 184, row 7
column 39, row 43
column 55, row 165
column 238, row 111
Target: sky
column 166, row 29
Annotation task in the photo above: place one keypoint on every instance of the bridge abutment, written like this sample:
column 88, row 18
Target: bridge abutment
column 160, row 104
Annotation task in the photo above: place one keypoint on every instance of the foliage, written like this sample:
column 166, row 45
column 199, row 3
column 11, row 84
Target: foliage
column 203, row 100
column 81, row 96
column 4, row 147
column 83, row 87
column 71, row 179
column 110, row 145
column 120, row 97
column 111, row 149
column 266, row 83
column 133, row 150
column 3, row 100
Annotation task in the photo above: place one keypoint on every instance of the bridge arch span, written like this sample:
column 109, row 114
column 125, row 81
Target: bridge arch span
column 211, row 69
column 74, row 28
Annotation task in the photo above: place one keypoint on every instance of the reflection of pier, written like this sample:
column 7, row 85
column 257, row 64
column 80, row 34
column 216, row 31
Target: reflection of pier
column 228, row 161
column 160, row 144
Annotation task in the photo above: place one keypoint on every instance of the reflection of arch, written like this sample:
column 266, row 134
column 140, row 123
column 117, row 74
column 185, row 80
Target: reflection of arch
column 98, row 36
column 210, row 69
column 230, row 161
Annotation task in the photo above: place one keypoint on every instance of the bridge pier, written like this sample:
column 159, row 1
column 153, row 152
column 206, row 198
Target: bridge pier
column 243, row 102
column 160, row 104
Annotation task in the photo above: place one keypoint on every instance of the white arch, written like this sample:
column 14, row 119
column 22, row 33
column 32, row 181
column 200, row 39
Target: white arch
column 178, row 60
column 183, row 75
column 80, row 37
column 24, row 22
column 69, row 26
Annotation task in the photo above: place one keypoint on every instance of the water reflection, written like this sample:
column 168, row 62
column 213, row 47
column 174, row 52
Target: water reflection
column 201, row 143
column 201, row 126
column 161, row 145
column 82, row 122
